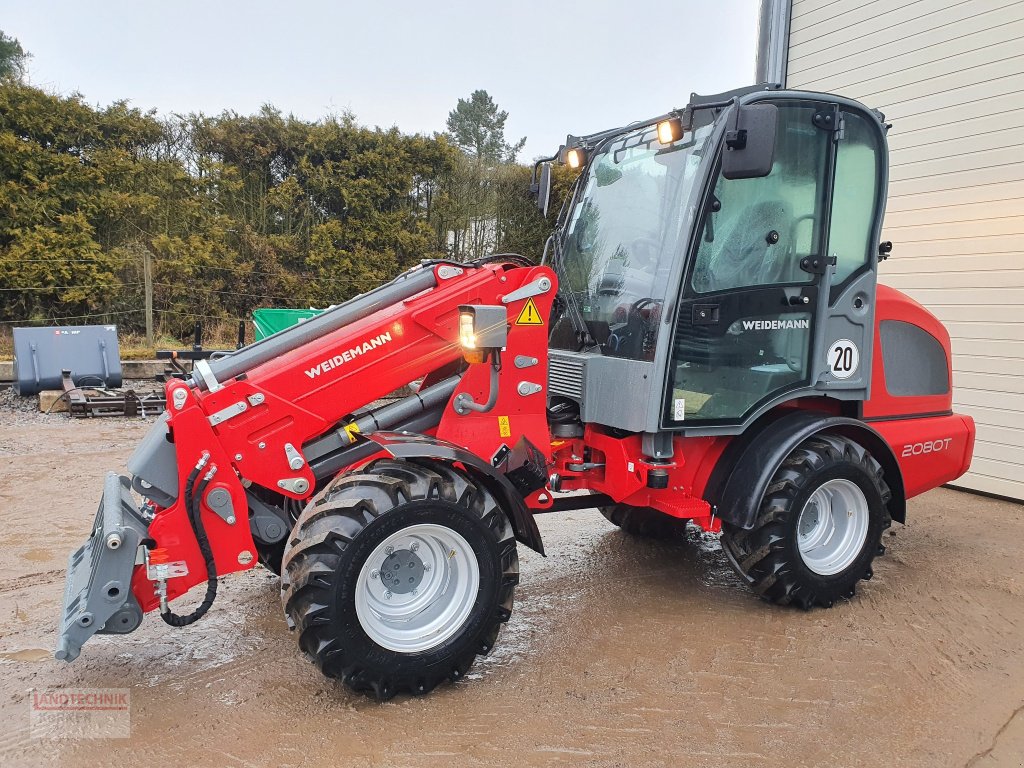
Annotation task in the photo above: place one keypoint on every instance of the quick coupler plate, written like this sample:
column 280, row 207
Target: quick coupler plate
column 97, row 594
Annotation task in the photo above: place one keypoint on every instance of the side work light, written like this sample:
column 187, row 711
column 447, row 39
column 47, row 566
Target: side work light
column 483, row 330
column 467, row 329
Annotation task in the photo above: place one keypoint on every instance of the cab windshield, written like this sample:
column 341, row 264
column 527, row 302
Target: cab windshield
column 622, row 236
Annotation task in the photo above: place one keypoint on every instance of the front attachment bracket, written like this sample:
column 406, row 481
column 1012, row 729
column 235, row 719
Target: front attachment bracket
column 97, row 594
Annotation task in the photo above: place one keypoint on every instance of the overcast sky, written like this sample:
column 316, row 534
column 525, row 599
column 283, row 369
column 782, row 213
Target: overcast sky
column 555, row 70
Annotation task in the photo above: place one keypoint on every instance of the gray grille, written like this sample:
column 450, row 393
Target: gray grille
column 915, row 361
column 565, row 375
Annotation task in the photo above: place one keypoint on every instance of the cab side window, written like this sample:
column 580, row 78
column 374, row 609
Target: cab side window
column 855, row 198
column 740, row 338
column 757, row 230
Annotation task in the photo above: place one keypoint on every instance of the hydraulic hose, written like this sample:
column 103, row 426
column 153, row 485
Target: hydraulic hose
column 193, row 503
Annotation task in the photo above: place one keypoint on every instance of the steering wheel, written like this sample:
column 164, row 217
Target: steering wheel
column 636, row 336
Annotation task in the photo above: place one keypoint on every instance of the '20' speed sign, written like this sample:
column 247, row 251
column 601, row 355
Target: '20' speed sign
column 843, row 358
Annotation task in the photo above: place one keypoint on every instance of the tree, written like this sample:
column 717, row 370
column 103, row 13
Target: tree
column 470, row 204
column 222, row 214
column 231, row 212
column 12, row 58
column 477, row 127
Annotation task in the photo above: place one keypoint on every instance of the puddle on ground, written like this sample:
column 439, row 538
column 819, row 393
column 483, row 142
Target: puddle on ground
column 39, row 555
column 27, row 654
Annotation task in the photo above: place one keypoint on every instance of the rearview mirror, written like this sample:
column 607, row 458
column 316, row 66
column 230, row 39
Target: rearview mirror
column 750, row 142
column 544, row 188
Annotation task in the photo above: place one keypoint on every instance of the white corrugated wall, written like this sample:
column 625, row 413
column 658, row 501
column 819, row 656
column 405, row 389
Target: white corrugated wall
column 949, row 76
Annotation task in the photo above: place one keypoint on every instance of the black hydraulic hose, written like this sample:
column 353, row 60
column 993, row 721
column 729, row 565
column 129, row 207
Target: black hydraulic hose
column 513, row 258
column 193, row 502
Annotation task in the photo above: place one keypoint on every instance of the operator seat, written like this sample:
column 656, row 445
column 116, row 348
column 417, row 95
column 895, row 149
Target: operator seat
column 752, row 252
column 755, row 249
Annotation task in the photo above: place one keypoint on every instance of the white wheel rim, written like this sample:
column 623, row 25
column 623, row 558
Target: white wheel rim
column 832, row 527
column 427, row 598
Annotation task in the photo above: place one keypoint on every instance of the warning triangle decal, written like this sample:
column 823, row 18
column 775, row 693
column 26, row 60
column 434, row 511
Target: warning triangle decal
column 529, row 315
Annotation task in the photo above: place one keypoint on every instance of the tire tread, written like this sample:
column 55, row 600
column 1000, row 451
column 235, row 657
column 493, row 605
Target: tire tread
column 760, row 555
column 335, row 518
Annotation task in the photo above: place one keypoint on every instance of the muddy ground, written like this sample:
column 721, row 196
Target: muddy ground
column 619, row 653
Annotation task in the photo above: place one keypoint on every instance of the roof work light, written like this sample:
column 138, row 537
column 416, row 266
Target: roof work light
column 670, row 130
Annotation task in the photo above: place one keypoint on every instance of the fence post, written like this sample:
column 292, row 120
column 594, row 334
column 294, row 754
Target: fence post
column 147, row 272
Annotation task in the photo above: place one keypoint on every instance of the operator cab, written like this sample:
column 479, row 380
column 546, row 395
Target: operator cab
column 697, row 274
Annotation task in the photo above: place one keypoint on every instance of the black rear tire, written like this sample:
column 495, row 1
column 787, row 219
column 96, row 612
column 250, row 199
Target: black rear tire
column 338, row 532
column 768, row 556
column 644, row 521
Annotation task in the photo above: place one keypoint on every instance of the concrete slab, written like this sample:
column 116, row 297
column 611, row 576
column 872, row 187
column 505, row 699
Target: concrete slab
column 142, row 369
column 52, row 402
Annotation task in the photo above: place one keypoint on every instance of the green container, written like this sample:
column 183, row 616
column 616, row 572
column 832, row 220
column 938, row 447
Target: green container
column 270, row 321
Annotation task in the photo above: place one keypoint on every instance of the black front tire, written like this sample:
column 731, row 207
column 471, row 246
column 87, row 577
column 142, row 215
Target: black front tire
column 768, row 556
column 336, row 534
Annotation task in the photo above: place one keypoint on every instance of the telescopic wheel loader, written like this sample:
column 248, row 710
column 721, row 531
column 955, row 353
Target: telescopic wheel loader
column 704, row 340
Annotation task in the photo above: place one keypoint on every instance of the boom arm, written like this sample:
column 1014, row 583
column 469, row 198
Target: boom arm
column 265, row 414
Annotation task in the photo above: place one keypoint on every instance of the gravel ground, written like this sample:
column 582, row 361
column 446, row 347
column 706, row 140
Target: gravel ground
column 620, row 652
column 15, row 409
column 18, row 410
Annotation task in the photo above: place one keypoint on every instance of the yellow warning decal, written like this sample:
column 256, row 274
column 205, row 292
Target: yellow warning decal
column 530, row 315
column 352, row 430
column 504, row 428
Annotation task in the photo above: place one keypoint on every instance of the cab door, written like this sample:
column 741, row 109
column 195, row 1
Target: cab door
column 746, row 321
